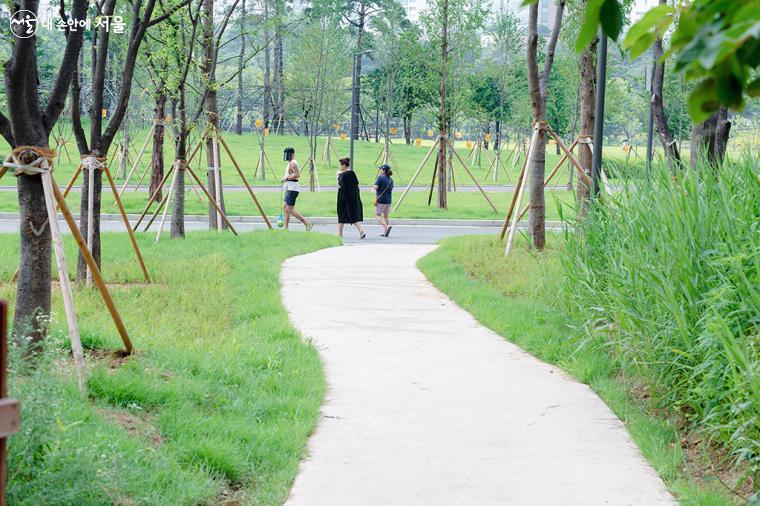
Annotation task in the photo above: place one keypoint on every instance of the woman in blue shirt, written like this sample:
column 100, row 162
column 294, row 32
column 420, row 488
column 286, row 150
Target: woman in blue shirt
column 383, row 198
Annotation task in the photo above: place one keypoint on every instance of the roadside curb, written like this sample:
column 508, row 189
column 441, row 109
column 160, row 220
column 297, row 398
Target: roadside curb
column 322, row 220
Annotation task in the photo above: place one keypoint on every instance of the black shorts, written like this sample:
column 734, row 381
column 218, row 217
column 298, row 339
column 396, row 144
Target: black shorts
column 290, row 197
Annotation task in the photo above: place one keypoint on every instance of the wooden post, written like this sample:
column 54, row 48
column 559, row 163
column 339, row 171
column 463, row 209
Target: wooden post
column 166, row 208
column 153, row 196
column 211, row 199
column 245, row 181
column 9, row 408
column 528, row 159
column 127, row 225
column 137, row 160
column 92, row 265
column 581, row 173
column 416, row 174
column 217, row 179
column 72, row 181
column 520, row 181
column 467, row 169
column 65, row 282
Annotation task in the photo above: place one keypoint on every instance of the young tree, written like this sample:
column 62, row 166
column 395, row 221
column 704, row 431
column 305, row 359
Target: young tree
column 452, row 26
column 101, row 136
column 29, row 122
column 538, row 91
column 319, row 64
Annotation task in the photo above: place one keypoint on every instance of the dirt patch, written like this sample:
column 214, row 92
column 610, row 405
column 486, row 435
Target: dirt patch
column 231, row 497
column 115, row 358
column 708, row 461
column 136, row 425
column 710, row 464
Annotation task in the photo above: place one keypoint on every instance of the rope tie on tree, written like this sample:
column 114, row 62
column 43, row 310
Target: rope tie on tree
column 541, row 125
column 41, row 164
column 180, row 164
column 92, row 162
column 159, row 122
column 586, row 139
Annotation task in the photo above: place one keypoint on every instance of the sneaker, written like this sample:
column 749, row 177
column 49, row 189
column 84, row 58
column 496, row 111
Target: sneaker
column 387, row 231
column 309, row 226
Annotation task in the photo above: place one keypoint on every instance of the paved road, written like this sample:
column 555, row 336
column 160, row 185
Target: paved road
column 416, row 188
column 427, row 407
column 409, row 232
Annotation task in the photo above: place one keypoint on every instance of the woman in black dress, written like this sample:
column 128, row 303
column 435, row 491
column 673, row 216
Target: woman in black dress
column 349, row 199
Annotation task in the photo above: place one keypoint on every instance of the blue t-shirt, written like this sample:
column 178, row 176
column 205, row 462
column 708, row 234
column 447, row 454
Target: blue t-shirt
column 384, row 188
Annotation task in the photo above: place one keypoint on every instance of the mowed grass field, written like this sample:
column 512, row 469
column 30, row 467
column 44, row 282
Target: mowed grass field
column 462, row 205
column 246, row 150
column 214, row 407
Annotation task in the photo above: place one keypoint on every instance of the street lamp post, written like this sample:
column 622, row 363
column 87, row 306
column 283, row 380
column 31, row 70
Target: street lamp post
column 355, row 103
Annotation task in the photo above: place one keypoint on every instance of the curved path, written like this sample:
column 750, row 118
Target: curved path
column 427, row 407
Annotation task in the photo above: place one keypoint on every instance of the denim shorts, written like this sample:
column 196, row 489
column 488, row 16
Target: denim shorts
column 290, row 197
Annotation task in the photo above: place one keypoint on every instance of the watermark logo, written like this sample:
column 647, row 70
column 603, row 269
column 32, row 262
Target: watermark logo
column 24, row 24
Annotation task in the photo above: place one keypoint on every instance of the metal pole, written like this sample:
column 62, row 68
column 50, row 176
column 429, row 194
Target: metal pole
column 650, row 124
column 596, row 163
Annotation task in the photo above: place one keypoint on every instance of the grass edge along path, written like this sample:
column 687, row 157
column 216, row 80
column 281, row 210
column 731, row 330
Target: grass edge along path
column 516, row 298
column 215, row 406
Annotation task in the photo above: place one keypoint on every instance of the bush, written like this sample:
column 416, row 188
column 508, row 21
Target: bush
column 668, row 272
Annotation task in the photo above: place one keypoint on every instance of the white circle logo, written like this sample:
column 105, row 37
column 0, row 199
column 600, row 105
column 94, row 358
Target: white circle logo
column 24, row 24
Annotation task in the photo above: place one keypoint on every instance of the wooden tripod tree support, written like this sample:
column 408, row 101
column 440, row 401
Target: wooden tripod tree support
column 263, row 160
column 519, row 190
column 497, row 162
column 329, row 147
column 165, row 199
column 42, row 167
column 438, row 140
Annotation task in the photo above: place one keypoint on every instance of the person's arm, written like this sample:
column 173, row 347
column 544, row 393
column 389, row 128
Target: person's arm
column 376, row 186
column 293, row 173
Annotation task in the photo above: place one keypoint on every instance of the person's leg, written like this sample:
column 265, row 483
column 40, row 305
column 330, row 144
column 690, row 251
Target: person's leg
column 359, row 228
column 299, row 216
column 381, row 221
column 340, row 230
column 387, row 221
column 286, row 215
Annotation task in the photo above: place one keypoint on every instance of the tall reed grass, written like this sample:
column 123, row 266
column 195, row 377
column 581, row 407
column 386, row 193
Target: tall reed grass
column 666, row 274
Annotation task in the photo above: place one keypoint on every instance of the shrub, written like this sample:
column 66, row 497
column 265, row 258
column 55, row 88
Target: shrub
column 668, row 272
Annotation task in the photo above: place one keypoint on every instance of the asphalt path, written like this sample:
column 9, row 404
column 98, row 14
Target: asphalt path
column 403, row 232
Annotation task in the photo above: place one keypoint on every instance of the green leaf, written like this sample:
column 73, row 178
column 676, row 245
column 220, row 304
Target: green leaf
column 589, row 26
column 611, row 18
column 642, row 44
column 525, row 3
column 654, row 17
column 753, row 89
column 703, row 101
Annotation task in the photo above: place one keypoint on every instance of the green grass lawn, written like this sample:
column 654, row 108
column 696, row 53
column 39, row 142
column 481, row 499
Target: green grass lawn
column 462, row 205
column 216, row 403
column 246, row 149
column 518, row 297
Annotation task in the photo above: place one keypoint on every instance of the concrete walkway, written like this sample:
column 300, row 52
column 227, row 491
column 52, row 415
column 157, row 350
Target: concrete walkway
column 427, row 407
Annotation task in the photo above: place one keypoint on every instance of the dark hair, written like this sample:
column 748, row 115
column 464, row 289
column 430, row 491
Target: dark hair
column 289, row 154
column 386, row 169
column 345, row 161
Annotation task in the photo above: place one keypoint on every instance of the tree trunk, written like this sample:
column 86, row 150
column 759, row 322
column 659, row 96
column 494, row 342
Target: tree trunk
column 488, row 133
column 267, row 91
column 442, row 151
column 666, row 138
column 587, row 112
column 709, row 138
column 241, row 64
column 279, row 85
column 537, row 84
column 211, row 107
column 408, row 129
column 157, row 157
column 356, row 88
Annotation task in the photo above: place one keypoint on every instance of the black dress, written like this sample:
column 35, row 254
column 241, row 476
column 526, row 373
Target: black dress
column 349, row 200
